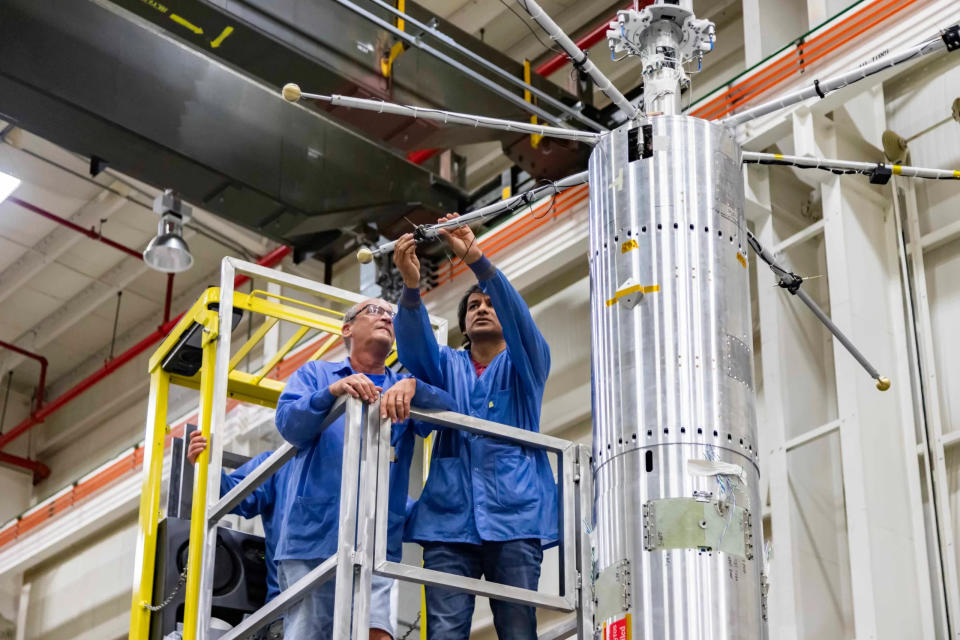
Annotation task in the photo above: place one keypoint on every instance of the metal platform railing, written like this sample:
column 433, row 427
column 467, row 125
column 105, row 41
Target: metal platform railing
column 362, row 533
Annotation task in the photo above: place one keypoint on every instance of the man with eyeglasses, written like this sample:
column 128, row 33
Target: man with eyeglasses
column 489, row 507
column 311, row 504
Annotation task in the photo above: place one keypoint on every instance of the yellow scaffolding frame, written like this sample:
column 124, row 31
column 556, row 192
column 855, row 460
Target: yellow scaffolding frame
column 254, row 388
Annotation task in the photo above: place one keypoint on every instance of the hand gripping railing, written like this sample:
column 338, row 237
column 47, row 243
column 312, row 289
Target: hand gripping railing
column 362, row 534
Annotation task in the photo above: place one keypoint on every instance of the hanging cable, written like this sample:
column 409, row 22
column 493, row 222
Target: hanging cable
column 6, row 399
column 116, row 319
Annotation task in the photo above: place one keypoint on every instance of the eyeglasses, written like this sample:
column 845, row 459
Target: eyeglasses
column 371, row 310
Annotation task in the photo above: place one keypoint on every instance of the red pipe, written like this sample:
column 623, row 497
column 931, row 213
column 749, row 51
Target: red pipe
column 43, row 368
column 592, row 37
column 112, row 365
column 422, row 155
column 90, row 233
column 118, row 361
column 40, row 470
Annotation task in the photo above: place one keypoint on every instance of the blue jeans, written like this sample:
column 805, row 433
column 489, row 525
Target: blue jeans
column 312, row 617
column 515, row 563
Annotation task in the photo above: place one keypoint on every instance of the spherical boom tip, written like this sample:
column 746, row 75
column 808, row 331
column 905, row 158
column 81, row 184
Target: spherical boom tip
column 291, row 92
column 364, row 255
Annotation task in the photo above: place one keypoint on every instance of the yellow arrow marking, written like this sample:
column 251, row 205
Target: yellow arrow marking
column 629, row 245
column 183, row 22
column 741, row 260
column 216, row 42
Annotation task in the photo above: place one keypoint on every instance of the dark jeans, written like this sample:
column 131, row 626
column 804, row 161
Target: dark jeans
column 515, row 563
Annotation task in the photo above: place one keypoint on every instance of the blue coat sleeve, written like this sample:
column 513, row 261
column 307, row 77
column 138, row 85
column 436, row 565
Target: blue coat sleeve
column 303, row 405
column 261, row 497
column 427, row 396
column 417, row 347
column 526, row 346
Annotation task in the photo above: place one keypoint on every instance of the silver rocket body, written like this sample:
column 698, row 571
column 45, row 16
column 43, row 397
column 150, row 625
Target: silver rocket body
column 678, row 541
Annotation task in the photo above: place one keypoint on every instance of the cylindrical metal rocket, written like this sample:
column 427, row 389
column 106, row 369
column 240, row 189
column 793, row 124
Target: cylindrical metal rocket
column 678, row 512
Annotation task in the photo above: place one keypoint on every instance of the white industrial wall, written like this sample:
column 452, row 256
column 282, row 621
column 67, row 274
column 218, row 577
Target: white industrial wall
column 919, row 110
column 84, row 594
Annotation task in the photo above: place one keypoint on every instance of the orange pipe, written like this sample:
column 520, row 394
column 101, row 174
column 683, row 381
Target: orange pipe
column 841, row 33
column 809, row 47
column 808, row 62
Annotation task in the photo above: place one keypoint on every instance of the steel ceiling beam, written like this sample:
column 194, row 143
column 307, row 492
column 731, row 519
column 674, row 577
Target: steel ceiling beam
column 168, row 114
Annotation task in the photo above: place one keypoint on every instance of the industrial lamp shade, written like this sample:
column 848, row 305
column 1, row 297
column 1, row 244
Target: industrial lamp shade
column 168, row 251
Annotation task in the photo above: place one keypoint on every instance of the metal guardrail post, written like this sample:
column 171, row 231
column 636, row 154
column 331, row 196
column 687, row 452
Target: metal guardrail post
column 196, row 612
column 346, row 536
column 219, row 366
column 383, row 493
column 566, row 470
column 366, row 517
column 149, row 505
column 585, row 524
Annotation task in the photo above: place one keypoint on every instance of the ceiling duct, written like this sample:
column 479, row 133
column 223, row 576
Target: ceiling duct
column 171, row 115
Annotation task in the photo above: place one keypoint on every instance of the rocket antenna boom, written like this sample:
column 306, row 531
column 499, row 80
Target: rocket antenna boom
column 438, row 115
column 579, row 58
column 821, row 89
column 510, row 204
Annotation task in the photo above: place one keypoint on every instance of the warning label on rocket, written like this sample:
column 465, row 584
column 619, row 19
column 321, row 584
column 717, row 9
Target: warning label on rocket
column 618, row 629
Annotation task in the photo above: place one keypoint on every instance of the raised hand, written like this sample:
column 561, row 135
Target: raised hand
column 461, row 240
column 405, row 257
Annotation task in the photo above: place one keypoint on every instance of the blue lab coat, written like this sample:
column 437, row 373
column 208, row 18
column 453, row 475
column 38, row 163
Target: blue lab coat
column 262, row 502
column 312, row 499
column 482, row 489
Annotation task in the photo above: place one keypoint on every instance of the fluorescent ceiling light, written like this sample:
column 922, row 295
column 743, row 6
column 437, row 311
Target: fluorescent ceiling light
column 7, row 185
